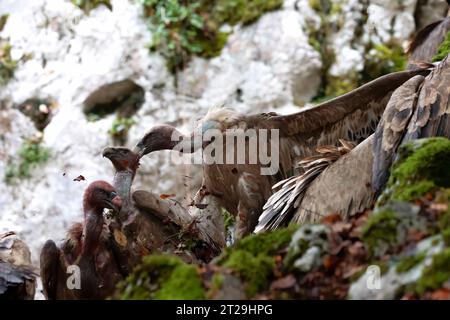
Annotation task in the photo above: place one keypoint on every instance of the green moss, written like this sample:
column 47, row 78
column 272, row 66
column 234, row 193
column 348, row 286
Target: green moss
column 217, row 281
column 268, row 243
column 31, row 155
column 422, row 167
column 254, row 269
column 182, row 283
column 162, row 277
column 444, row 219
column 88, row 5
column 181, row 29
column 407, row 263
column 253, row 257
column 443, row 49
column 380, row 230
column 434, row 276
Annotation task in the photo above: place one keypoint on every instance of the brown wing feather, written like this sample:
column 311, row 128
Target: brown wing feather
column 353, row 116
column 280, row 207
column 432, row 117
column 49, row 261
column 427, row 42
column 422, row 36
column 391, row 129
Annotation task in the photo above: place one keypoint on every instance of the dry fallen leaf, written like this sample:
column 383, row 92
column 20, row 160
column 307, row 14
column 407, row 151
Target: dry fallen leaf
column 441, row 294
column 283, row 283
column 166, row 196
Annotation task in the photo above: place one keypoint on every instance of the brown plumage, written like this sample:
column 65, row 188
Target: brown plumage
column 87, row 246
column 422, row 110
column 392, row 127
column 241, row 188
column 426, row 43
column 279, row 209
column 149, row 223
column 17, row 278
column 351, row 184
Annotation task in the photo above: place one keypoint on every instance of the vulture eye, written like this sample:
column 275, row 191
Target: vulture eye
column 112, row 195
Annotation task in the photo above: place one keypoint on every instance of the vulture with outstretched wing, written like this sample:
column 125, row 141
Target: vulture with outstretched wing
column 239, row 186
column 417, row 109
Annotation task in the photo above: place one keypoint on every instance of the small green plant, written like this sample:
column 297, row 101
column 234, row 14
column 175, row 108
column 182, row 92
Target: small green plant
column 7, row 64
column 443, row 49
column 31, row 155
column 181, row 29
column 88, row 5
column 384, row 59
column 3, row 20
column 120, row 127
column 228, row 221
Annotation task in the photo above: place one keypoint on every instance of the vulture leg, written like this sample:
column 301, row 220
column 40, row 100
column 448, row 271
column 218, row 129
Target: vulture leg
column 49, row 261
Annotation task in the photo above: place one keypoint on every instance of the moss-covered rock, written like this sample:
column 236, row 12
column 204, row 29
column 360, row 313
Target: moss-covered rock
column 308, row 244
column 422, row 167
column 181, row 29
column 162, row 277
column 443, row 49
column 388, row 226
column 409, row 262
column 253, row 258
column 255, row 270
column 434, row 276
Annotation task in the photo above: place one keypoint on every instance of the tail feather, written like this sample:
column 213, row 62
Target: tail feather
column 280, row 207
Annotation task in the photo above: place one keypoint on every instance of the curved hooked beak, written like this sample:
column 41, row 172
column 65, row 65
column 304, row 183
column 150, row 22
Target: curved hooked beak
column 115, row 203
column 108, row 152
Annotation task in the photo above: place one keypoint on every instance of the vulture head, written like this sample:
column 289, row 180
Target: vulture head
column 161, row 137
column 123, row 159
column 166, row 137
column 100, row 195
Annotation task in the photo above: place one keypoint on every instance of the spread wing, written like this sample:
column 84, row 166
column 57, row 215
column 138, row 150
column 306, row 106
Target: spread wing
column 427, row 41
column 353, row 116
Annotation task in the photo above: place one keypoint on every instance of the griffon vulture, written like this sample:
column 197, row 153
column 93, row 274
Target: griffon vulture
column 241, row 188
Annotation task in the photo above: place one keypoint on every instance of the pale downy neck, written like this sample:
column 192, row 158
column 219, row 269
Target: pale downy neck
column 122, row 183
column 92, row 229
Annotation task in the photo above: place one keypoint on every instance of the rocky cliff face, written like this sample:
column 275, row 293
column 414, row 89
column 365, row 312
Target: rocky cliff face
column 65, row 55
